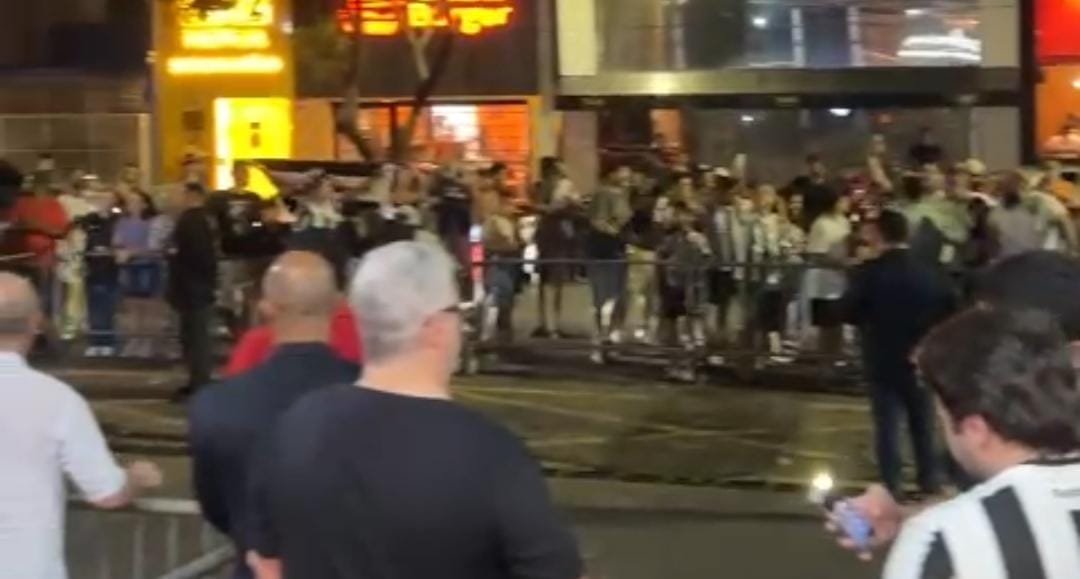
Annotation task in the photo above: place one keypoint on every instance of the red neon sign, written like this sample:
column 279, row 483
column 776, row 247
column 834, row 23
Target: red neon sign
column 1056, row 26
column 388, row 17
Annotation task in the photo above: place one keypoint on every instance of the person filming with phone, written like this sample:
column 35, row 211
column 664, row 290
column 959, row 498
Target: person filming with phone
column 1008, row 399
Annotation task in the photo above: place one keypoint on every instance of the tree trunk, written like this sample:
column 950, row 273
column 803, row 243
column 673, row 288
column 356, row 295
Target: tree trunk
column 345, row 123
column 436, row 69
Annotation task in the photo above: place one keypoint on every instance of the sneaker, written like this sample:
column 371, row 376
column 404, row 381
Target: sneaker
column 107, row 352
column 615, row 337
column 92, row 352
column 597, row 357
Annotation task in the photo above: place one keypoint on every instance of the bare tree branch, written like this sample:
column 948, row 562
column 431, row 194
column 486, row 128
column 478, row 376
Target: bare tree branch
column 345, row 123
column 429, row 70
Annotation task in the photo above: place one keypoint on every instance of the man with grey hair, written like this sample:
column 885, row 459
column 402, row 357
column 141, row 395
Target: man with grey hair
column 49, row 433
column 389, row 477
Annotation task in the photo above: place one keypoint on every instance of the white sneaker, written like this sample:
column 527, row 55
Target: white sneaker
column 92, row 352
column 597, row 357
column 616, row 337
column 107, row 352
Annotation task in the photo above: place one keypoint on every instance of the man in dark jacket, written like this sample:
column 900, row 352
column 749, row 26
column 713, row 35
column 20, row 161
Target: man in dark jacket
column 895, row 300
column 227, row 420
column 193, row 270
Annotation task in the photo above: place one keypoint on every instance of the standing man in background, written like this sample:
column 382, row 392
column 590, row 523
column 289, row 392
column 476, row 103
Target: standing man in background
column 193, row 271
column 608, row 213
column 894, row 300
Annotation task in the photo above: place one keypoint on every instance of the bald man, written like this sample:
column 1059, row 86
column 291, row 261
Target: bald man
column 227, row 419
column 49, row 433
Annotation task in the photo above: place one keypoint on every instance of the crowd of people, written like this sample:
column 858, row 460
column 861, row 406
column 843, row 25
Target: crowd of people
column 674, row 253
column 315, row 467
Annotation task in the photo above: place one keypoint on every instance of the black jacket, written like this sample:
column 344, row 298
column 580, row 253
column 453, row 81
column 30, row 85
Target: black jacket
column 227, row 420
column 895, row 300
column 193, row 266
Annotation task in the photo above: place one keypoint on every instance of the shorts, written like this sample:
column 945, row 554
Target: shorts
column 141, row 280
column 722, row 287
column 673, row 302
column 771, row 310
column 825, row 313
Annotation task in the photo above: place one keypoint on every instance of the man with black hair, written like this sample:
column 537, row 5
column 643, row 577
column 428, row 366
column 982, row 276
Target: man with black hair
column 1009, row 403
column 1043, row 280
column 894, row 299
column 193, row 272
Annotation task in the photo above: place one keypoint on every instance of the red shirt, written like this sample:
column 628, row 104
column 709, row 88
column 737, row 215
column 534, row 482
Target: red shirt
column 257, row 343
column 35, row 211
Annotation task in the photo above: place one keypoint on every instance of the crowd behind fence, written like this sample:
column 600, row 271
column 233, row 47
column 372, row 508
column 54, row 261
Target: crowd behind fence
column 721, row 314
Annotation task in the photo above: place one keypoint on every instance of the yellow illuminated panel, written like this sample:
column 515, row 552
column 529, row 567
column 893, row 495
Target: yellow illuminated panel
column 250, row 128
column 386, row 17
column 215, row 65
column 224, row 38
column 252, row 13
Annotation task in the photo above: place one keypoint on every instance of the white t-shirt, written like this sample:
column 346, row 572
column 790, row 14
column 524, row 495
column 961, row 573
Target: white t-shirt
column 46, row 432
column 828, row 237
column 71, row 247
column 1023, row 520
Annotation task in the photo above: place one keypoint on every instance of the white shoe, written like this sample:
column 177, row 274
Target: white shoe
column 92, row 352
column 107, row 352
column 597, row 357
column 615, row 337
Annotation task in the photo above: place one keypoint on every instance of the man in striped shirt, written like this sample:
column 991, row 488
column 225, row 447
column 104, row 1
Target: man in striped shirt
column 1009, row 403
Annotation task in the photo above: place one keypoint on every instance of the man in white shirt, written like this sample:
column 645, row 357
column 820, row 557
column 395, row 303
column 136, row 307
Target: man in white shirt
column 47, row 432
column 1009, row 404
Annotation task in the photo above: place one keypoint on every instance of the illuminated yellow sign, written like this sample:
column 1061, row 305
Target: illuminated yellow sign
column 243, row 26
column 387, row 17
column 219, row 38
column 215, row 65
column 218, row 13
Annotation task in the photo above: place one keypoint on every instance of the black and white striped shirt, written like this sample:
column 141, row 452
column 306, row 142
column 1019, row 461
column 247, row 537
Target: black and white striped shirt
column 1022, row 524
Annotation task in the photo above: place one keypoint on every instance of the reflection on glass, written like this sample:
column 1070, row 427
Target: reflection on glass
column 651, row 35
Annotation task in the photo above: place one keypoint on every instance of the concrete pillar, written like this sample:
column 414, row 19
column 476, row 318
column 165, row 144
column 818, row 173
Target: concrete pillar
column 999, row 33
column 545, row 119
column 579, row 42
column 995, row 136
column 580, row 148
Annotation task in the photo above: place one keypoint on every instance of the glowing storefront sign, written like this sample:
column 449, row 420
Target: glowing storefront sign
column 386, row 17
column 215, row 65
column 219, row 38
column 249, row 13
column 243, row 26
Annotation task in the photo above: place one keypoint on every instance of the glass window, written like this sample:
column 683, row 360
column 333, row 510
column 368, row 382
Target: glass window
column 653, row 35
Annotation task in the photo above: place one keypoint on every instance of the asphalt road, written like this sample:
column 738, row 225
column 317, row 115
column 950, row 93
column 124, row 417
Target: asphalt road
column 716, row 466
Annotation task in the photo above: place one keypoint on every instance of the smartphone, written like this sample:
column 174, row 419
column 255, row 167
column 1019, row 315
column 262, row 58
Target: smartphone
column 853, row 523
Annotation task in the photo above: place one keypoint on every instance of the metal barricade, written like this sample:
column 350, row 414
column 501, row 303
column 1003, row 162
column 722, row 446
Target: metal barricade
column 151, row 539
column 743, row 316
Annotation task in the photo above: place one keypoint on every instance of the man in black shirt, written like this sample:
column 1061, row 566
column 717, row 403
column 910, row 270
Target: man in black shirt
column 227, row 419
column 192, row 285
column 894, row 299
column 389, row 477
